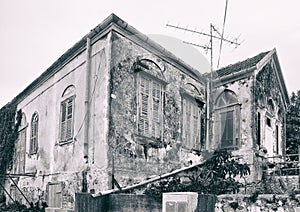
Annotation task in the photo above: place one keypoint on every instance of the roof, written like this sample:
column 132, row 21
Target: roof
column 251, row 64
column 242, row 65
column 103, row 28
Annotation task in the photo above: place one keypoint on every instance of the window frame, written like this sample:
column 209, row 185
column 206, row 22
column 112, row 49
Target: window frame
column 234, row 107
column 188, row 99
column 33, row 148
column 150, row 116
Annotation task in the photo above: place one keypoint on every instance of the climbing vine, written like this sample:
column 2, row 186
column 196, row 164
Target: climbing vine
column 9, row 124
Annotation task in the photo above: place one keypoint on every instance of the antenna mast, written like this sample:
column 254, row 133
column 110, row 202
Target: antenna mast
column 220, row 37
column 209, row 47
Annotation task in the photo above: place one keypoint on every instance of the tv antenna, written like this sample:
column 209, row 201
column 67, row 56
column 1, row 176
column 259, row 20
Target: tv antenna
column 213, row 34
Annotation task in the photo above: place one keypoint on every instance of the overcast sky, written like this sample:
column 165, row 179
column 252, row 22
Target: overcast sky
column 35, row 33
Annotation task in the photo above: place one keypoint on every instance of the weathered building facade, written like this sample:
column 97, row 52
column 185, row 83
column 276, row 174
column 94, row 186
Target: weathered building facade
column 119, row 107
column 249, row 101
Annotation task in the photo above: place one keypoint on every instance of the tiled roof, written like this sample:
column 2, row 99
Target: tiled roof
column 248, row 63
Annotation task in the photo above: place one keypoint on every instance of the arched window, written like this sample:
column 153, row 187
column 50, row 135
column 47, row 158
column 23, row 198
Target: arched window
column 34, row 133
column 67, row 114
column 227, row 120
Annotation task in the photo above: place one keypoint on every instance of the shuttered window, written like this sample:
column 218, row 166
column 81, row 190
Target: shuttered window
column 19, row 155
column 150, row 107
column 191, row 123
column 34, row 134
column 227, row 120
column 66, row 124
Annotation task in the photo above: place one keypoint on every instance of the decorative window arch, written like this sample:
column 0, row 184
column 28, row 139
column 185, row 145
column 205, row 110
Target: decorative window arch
column 227, row 97
column 67, row 115
column 34, row 133
column 227, row 124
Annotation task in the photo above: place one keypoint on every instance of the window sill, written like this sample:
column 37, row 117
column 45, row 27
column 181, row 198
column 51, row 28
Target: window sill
column 32, row 153
column 61, row 143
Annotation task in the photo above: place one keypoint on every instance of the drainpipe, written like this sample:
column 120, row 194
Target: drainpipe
column 87, row 100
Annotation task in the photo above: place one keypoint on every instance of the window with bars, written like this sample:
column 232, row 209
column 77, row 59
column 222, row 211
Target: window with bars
column 34, row 134
column 191, row 123
column 66, row 120
column 150, row 95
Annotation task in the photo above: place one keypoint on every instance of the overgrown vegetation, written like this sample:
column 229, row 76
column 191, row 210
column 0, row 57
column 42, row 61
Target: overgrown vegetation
column 16, row 206
column 9, row 124
column 293, row 129
column 217, row 175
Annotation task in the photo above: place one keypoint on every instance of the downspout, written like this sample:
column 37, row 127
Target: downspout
column 87, row 100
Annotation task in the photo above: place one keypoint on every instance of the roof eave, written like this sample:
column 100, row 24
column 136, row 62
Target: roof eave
column 102, row 29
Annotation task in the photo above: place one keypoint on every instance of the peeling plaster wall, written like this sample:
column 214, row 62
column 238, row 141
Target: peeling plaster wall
column 65, row 163
column 137, row 158
column 253, row 93
column 267, row 88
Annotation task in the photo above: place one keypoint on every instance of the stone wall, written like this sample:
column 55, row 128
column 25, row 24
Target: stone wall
column 263, row 202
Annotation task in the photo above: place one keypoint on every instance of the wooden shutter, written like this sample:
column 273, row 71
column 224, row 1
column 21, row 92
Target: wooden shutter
column 227, row 128
column 34, row 134
column 188, row 124
column 63, row 122
column 69, row 118
column 66, row 125
column 191, row 123
column 196, row 125
column 236, row 124
column 144, row 106
column 19, row 162
column 156, row 109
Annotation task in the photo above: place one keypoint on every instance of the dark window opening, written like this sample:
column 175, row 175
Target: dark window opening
column 277, row 140
column 268, row 122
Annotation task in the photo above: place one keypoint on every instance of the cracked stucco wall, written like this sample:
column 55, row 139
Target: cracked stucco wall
column 135, row 160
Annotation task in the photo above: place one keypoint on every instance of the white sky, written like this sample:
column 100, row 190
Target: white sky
column 35, row 33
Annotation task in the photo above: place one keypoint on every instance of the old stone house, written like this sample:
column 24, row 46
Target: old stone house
column 117, row 108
